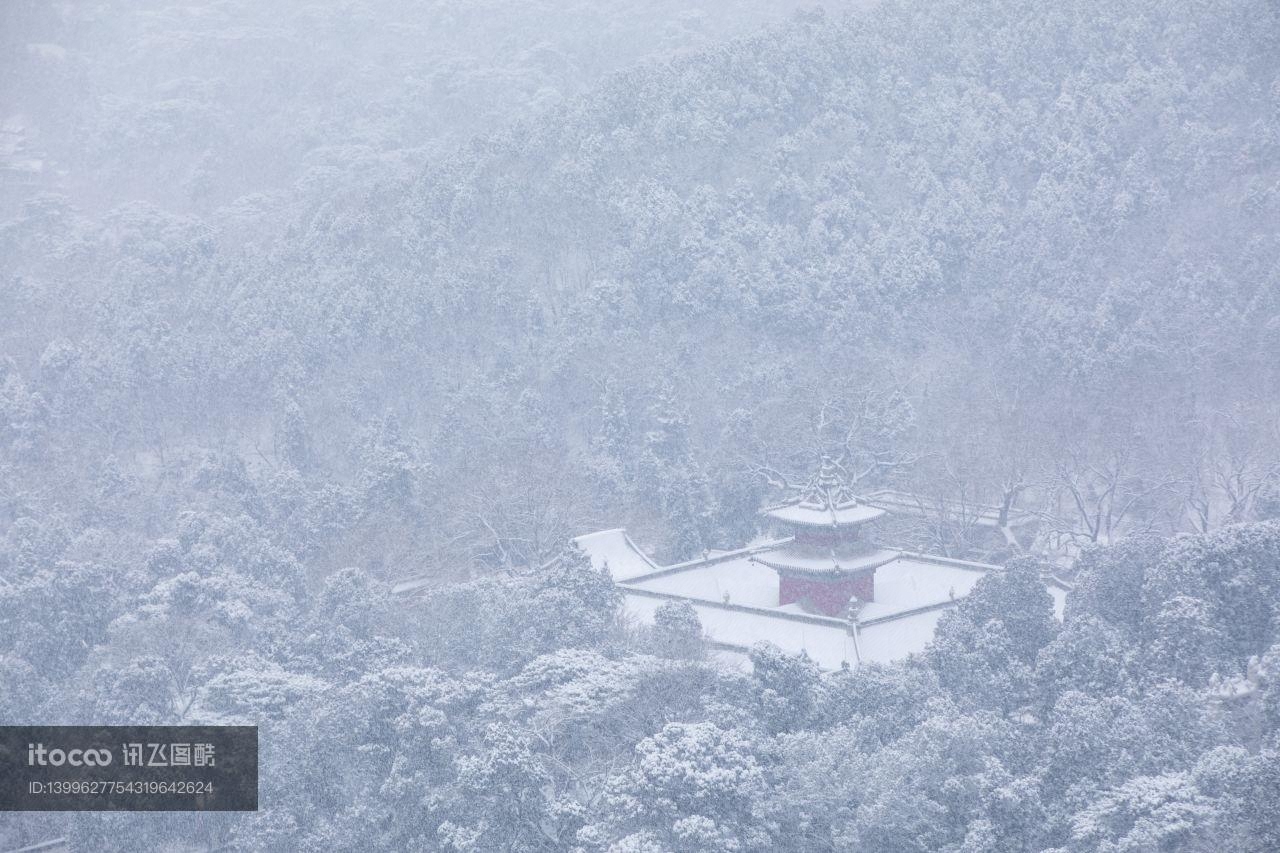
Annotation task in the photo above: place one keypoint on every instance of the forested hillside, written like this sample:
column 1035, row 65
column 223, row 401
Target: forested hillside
column 253, row 370
column 1020, row 266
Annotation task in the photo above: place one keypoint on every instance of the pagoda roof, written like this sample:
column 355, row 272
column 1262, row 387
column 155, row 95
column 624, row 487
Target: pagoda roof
column 830, row 563
column 851, row 512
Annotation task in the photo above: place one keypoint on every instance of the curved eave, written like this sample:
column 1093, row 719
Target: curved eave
column 836, row 569
column 826, row 517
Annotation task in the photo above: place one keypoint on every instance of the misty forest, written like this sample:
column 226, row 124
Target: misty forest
column 326, row 329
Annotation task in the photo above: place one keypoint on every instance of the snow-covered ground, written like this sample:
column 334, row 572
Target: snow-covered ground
column 896, row 638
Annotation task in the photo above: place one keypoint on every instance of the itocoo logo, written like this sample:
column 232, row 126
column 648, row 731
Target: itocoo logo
column 37, row 755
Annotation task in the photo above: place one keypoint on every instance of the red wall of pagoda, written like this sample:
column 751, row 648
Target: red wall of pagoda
column 826, row 596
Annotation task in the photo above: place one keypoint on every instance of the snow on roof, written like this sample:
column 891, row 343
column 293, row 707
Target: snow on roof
column 820, row 515
column 614, row 549
column 817, row 562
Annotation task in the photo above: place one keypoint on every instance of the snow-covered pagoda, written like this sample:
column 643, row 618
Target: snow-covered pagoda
column 822, row 585
column 829, row 562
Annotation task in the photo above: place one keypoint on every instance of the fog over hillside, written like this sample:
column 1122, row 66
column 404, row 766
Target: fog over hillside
column 326, row 328
column 193, row 105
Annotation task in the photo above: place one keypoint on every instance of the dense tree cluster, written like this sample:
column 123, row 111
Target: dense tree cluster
column 525, row 714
